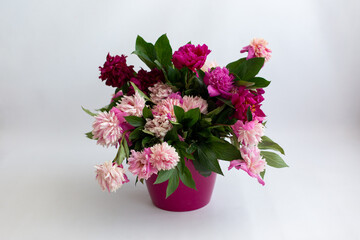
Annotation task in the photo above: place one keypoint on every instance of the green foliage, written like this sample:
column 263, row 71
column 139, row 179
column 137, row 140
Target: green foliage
column 273, row 160
column 135, row 121
column 235, row 67
column 259, row 83
column 145, row 51
column 207, row 158
column 88, row 112
column 147, row 113
column 267, row 143
column 139, row 91
column 164, row 175
column 191, row 117
column 172, row 184
column 186, row 178
column 250, row 68
column 179, row 113
column 89, row 135
column 262, row 174
column 163, row 50
column 249, row 115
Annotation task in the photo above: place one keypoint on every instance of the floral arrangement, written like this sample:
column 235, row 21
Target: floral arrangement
column 183, row 109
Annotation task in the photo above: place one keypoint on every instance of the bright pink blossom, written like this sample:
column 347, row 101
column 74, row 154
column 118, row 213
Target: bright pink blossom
column 115, row 71
column 132, row 105
column 219, row 82
column 190, row 56
column 257, row 48
column 106, row 129
column 190, row 102
column 139, row 164
column 252, row 163
column 249, row 133
column 111, row 176
column 116, row 95
column 163, row 156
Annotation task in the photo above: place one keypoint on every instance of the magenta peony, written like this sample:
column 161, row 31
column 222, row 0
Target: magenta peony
column 190, row 56
column 115, row 72
column 111, row 176
column 249, row 133
column 257, row 48
column 163, row 156
column 132, row 105
column 106, row 129
column 253, row 163
column 160, row 125
column 243, row 99
column 190, row 102
column 159, row 92
column 219, row 82
column 139, row 164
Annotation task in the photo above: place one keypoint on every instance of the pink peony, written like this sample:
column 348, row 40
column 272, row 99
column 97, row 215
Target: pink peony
column 111, row 176
column 243, row 99
column 107, row 129
column 257, row 48
column 253, row 163
column 190, row 102
column 115, row 71
column 159, row 92
column 116, row 95
column 132, row 105
column 190, row 56
column 249, row 133
column 219, row 82
column 160, row 125
column 166, row 107
column 163, row 156
column 140, row 165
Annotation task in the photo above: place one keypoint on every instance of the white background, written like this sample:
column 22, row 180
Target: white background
column 49, row 57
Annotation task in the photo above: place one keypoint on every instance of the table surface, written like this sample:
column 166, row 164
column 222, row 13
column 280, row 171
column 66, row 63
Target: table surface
column 48, row 191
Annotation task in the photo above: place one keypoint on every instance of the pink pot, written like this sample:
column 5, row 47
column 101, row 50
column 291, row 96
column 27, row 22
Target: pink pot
column 184, row 198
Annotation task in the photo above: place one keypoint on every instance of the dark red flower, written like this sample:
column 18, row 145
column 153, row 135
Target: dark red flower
column 145, row 79
column 243, row 99
column 190, row 56
column 115, row 71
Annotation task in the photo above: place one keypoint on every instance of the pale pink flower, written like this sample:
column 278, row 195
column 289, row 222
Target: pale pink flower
column 252, row 162
column 249, row 133
column 111, row 176
column 163, row 156
column 166, row 107
column 140, row 165
column 106, row 129
column 132, row 105
column 159, row 92
column 208, row 66
column 190, row 102
column 257, row 48
column 160, row 125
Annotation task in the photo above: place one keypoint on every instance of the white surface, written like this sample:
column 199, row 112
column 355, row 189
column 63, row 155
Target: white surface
column 49, row 54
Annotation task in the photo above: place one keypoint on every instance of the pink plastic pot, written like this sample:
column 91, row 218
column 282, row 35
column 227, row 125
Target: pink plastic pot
column 184, row 198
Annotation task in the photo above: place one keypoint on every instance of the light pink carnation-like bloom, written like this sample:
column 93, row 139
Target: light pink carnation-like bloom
column 140, row 165
column 106, row 129
column 257, row 48
column 249, row 133
column 253, row 163
column 190, row 102
column 208, row 66
column 132, row 105
column 160, row 125
column 111, row 176
column 166, row 107
column 159, row 92
column 219, row 82
column 163, row 156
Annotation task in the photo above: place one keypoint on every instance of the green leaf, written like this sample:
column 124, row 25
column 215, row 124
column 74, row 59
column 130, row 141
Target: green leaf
column 226, row 101
column 187, row 179
column 216, row 111
column 179, row 113
column 89, row 135
column 147, row 113
column 208, row 158
column 267, row 143
column 145, row 51
column 172, row 184
column 273, row 160
column 163, row 50
column 251, row 68
column 235, row 67
column 223, row 149
column 249, row 114
column 139, row 91
column 135, row 121
column 243, row 83
column 191, row 148
column 135, row 134
column 262, row 174
column 121, row 155
column 145, row 140
column 192, row 116
column 172, row 135
column 259, row 82
column 148, row 132
column 126, row 148
column 164, row 175
column 88, row 111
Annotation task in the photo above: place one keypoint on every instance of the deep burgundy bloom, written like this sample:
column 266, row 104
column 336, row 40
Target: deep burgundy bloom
column 115, row 71
column 190, row 56
column 244, row 99
column 145, row 79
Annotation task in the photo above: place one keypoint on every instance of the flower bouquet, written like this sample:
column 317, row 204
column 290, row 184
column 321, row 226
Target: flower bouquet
column 182, row 116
